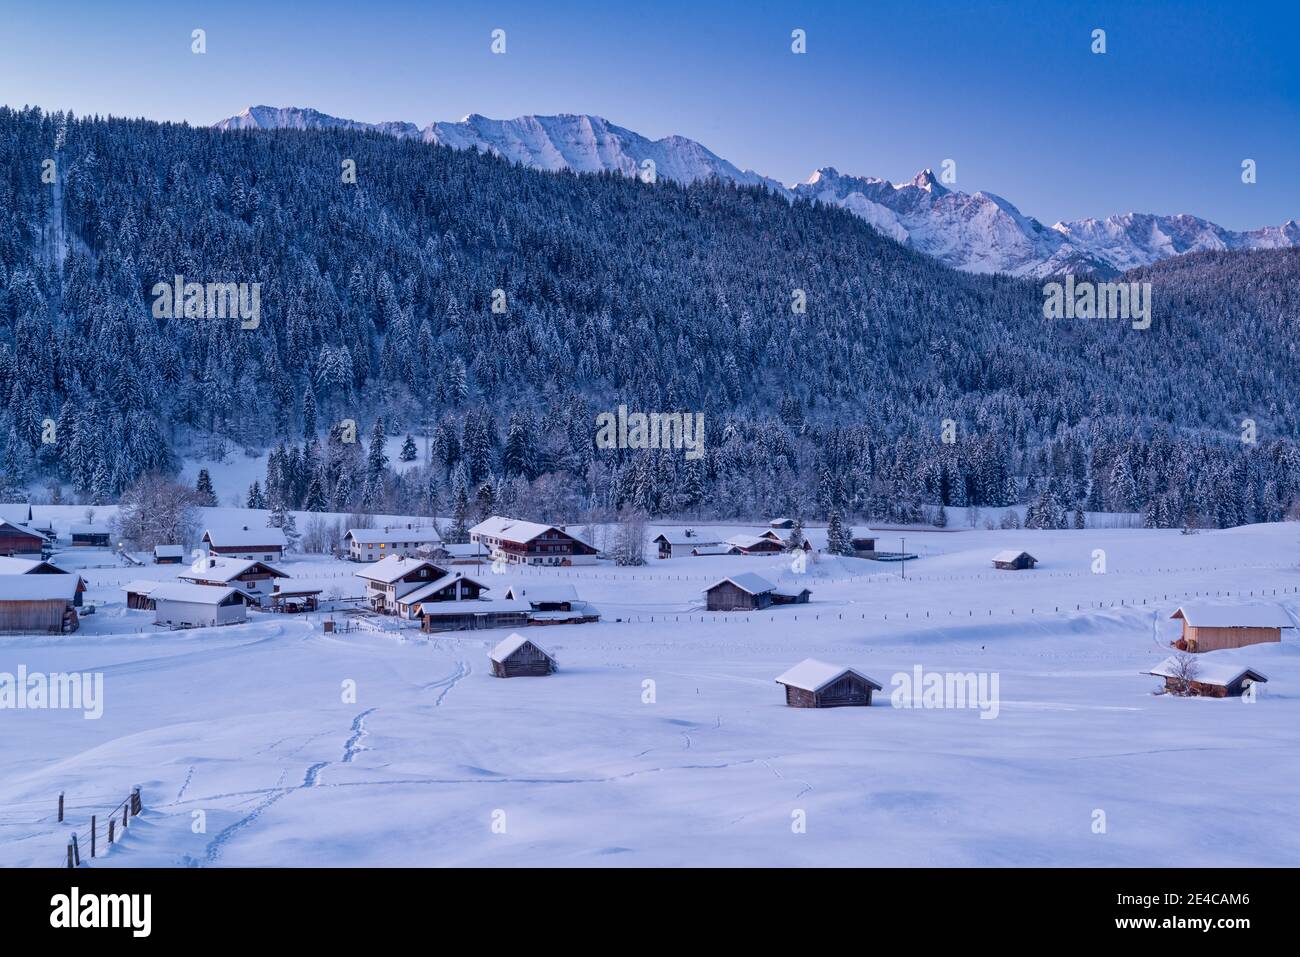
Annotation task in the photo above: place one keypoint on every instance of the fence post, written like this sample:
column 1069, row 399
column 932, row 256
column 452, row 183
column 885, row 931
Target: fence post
column 92, row 835
column 126, row 809
column 136, row 804
column 70, row 855
column 76, row 851
column 60, row 807
column 111, row 822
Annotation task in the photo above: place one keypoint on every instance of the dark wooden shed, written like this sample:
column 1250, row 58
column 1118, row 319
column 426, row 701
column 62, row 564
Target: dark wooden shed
column 743, row 592
column 520, row 657
column 816, row 684
column 1014, row 561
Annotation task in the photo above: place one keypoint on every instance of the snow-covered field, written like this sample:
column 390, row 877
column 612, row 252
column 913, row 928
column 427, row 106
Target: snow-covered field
column 435, row 762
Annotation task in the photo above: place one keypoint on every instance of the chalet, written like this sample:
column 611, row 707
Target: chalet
column 38, row 604
column 750, row 592
column 520, row 657
column 24, row 566
column 90, row 536
column 373, row 544
column 755, row 545
column 530, row 543
column 553, row 604
column 679, row 545
column 168, row 554
column 1209, row 627
column 255, row 579
column 18, row 541
column 816, row 684
column 449, row 587
column 394, row 577
column 1219, row 679
column 186, row 605
column 263, row 544
column 1011, row 560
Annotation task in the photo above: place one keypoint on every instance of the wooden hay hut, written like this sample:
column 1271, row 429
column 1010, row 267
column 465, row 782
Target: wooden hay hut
column 816, row 684
column 1209, row 627
column 1219, row 679
column 1011, row 560
column 520, row 657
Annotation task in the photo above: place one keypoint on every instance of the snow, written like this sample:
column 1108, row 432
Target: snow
column 391, row 534
column 189, row 592
column 244, row 536
column 253, row 724
column 1203, row 615
column 509, row 529
column 37, row 587
column 390, row 569
column 513, row 643
column 813, row 675
column 1008, row 555
column 747, row 582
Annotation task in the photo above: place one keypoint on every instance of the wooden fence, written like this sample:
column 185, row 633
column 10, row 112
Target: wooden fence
column 87, row 841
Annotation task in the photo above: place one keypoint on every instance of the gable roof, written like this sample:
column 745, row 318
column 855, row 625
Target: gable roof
column 87, row 528
column 719, row 549
column 512, row 643
column 377, row 536
column 516, row 530
column 16, row 514
column 1218, row 673
column 1205, row 615
column 245, row 536
column 1010, row 555
column 169, row 551
column 193, row 594
column 38, row 587
column 747, row 582
column 10, row 528
column 749, row 541
column 390, row 569
column 424, row 591
column 543, row 593
column 22, row 566
column 683, row 540
column 226, row 569
column 813, row 675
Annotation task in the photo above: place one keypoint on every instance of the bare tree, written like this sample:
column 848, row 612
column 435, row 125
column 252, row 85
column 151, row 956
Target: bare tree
column 156, row 511
column 630, row 539
column 1185, row 670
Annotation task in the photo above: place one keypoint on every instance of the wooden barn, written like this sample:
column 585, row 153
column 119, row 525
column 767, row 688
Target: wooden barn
column 1011, row 560
column 816, row 684
column 31, row 566
column 782, row 523
column 138, row 592
column 38, row 604
column 1219, row 679
column 18, row 541
column 750, row 592
column 90, row 536
column 168, row 554
column 1212, row 627
column 520, row 657
column 553, row 604
column 864, row 545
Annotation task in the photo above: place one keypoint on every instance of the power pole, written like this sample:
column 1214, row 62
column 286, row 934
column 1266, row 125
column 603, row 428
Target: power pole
column 904, row 558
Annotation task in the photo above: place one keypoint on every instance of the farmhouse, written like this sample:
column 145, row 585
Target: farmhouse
column 24, row 566
column 519, row 657
column 17, row 541
column 90, row 536
column 816, row 684
column 373, row 544
column 755, row 545
column 530, row 543
column 186, row 605
column 255, row 579
column 264, row 544
column 554, row 604
column 1219, row 679
column 395, row 577
column 679, row 545
column 1012, row 560
column 168, row 554
column 449, row 587
column 750, row 592
column 42, row 604
column 1209, row 627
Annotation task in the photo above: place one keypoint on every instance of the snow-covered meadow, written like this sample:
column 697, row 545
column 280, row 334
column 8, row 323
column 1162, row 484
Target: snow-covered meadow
column 249, row 751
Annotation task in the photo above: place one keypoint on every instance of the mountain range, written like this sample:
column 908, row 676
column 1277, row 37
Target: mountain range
column 976, row 232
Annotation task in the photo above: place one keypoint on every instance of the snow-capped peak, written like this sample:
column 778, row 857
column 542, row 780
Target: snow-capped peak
column 927, row 181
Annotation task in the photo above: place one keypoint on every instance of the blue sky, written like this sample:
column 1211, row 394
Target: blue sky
column 1011, row 91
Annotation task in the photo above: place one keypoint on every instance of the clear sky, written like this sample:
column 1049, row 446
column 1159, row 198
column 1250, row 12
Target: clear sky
column 1159, row 123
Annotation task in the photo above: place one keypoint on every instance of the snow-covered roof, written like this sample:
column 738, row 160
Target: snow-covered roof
column 20, row 566
column 464, row 549
column 683, row 540
column 718, row 549
column 220, row 569
column 245, row 536
column 191, row 593
column 1219, row 673
column 748, row 582
column 511, row 529
column 390, row 569
column 543, row 592
column 1204, row 615
column 512, row 643
column 387, row 536
column 38, row 587
column 88, row 529
column 21, row 529
column 813, row 675
column 19, row 514
column 747, row 541
column 169, row 551
column 790, row 591
column 473, row 606
column 1009, row 555
column 141, row 586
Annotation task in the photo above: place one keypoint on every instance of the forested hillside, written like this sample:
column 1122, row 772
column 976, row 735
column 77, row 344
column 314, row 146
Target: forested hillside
column 376, row 301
